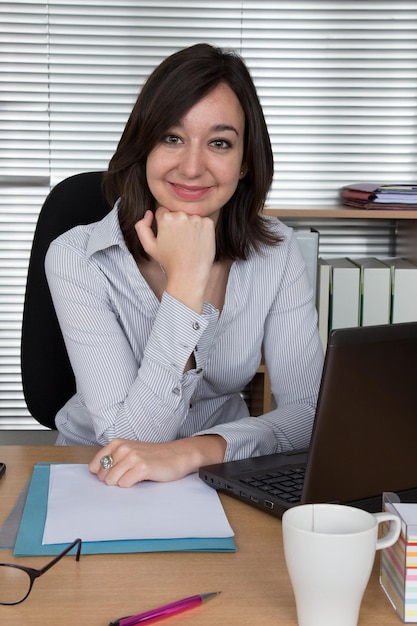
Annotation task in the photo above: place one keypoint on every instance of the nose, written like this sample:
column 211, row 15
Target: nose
column 192, row 163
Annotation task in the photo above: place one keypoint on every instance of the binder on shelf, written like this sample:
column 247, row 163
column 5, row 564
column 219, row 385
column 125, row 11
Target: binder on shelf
column 375, row 291
column 403, row 289
column 308, row 240
column 344, row 293
column 323, row 300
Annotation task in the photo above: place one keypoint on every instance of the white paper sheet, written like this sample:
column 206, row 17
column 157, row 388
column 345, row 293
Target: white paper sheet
column 79, row 505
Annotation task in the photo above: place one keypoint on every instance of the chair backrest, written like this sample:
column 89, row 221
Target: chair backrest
column 47, row 377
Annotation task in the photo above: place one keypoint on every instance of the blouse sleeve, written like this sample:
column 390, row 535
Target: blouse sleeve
column 123, row 399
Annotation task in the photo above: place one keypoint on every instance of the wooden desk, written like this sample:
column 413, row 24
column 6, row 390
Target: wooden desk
column 100, row 588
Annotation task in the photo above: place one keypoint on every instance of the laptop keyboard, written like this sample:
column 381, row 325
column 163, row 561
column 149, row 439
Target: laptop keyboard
column 287, row 483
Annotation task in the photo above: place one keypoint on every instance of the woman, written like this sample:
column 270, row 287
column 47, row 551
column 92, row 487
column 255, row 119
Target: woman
column 165, row 304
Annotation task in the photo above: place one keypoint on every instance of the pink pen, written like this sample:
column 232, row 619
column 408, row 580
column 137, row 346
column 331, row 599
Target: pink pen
column 164, row 611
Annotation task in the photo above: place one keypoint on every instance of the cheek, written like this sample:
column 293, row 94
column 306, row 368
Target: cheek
column 232, row 180
column 158, row 165
column 232, row 173
column 226, row 170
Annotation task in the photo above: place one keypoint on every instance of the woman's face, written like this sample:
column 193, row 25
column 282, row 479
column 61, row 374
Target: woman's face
column 197, row 165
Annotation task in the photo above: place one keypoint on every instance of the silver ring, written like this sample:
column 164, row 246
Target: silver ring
column 106, row 462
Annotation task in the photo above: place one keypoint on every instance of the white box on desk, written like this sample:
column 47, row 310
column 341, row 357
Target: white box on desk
column 399, row 562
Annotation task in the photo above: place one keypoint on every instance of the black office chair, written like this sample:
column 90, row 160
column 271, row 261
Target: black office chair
column 47, row 378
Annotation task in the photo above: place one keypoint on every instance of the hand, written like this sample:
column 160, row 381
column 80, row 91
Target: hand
column 135, row 461
column 185, row 247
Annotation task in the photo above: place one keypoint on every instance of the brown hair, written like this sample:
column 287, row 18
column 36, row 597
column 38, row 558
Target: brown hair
column 172, row 89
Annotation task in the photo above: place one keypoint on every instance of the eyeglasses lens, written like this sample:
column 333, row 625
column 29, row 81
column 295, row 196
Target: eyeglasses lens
column 14, row 584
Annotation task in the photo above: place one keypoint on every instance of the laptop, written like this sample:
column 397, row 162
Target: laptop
column 364, row 438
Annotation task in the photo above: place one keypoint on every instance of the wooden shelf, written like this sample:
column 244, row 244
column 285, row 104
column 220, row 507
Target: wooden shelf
column 342, row 212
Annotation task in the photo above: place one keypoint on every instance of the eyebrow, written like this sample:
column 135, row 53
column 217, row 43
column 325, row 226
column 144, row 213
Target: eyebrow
column 217, row 128
column 223, row 127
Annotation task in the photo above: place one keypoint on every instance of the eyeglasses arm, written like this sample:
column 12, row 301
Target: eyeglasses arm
column 76, row 542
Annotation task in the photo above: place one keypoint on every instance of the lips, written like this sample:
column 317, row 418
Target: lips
column 189, row 192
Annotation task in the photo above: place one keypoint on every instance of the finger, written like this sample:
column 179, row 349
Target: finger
column 126, row 473
column 129, row 478
column 109, row 476
column 145, row 233
column 94, row 466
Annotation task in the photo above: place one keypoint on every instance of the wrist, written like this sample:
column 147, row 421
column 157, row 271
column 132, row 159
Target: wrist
column 209, row 449
column 195, row 452
column 190, row 289
column 191, row 298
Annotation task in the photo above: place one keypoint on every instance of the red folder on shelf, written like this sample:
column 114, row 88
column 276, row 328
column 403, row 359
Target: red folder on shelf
column 379, row 196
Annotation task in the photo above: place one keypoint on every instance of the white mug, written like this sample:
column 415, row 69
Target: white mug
column 330, row 551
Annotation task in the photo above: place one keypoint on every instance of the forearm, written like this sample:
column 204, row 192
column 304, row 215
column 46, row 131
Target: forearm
column 281, row 430
column 192, row 296
column 188, row 455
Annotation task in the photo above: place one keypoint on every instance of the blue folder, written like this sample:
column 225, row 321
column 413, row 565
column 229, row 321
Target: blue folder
column 29, row 536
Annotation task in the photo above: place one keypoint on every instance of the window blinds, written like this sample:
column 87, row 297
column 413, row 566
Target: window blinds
column 337, row 81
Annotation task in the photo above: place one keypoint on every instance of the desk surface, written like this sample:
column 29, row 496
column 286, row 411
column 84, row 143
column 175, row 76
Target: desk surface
column 100, row 588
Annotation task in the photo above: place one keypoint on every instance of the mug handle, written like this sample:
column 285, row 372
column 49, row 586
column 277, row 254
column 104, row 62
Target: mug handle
column 394, row 529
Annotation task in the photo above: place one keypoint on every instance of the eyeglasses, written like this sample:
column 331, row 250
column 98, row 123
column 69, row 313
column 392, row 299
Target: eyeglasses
column 16, row 581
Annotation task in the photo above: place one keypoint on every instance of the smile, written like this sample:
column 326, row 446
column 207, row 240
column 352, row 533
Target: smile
column 187, row 192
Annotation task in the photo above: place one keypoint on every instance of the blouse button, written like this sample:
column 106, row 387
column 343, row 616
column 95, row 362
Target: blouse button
column 196, row 326
column 176, row 391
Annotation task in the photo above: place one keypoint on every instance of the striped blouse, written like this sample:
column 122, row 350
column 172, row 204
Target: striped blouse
column 128, row 350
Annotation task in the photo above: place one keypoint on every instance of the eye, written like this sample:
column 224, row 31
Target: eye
column 221, row 144
column 172, row 140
